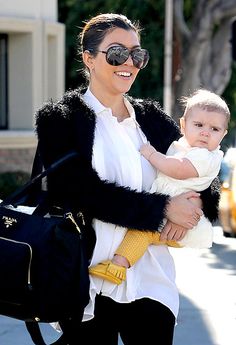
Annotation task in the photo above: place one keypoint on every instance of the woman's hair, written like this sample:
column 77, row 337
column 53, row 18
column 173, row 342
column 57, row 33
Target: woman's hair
column 205, row 100
column 97, row 28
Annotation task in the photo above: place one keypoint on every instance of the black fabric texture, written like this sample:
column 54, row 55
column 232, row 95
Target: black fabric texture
column 69, row 124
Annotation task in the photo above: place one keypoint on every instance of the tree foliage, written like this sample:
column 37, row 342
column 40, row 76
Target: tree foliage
column 10, row 181
column 203, row 32
column 202, row 46
column 150, row 15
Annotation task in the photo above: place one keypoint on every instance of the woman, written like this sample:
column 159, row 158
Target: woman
column 109, row 181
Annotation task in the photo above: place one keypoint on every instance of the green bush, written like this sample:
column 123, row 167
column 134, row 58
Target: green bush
column 10, row 181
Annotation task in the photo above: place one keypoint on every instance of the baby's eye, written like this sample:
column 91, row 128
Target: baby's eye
column 214, row 129
column 198, row 124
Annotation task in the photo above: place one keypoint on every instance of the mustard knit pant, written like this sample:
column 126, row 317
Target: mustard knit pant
column 135, row 243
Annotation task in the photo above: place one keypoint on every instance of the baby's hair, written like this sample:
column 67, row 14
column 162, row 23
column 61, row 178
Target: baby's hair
column 205, row 100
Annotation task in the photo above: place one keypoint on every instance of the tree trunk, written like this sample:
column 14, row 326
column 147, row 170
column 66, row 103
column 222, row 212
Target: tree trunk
column 205, row 49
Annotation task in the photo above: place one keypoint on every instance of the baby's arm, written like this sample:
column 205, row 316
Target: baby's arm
column 179, row 168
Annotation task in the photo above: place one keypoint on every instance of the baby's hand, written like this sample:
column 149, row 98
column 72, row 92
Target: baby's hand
column 146, row 150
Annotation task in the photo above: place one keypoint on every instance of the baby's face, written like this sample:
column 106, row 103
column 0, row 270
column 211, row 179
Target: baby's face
column 203, row 128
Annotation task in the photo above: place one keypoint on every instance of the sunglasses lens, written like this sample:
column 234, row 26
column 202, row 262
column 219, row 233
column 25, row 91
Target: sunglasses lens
column 140, row 58
column 116, row 56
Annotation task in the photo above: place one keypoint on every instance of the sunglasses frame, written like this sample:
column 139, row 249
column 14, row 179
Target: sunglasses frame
column 131, row 53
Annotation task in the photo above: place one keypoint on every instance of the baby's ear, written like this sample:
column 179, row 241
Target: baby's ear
column 182, row 124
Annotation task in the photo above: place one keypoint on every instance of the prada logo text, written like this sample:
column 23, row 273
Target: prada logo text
column 8, row 221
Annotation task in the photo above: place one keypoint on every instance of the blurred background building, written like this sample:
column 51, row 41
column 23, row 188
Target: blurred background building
column 32, row 55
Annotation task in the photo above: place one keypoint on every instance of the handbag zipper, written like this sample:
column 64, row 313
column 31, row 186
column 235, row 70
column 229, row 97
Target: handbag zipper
column 80, row 214
column 30, row 261
column 70, row 216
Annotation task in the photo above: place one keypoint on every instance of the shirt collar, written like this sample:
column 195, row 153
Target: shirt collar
column 130, row 109
column 98, row 107
column 93, row 102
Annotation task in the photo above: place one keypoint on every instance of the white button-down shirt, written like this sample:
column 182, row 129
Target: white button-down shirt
column 116, row 158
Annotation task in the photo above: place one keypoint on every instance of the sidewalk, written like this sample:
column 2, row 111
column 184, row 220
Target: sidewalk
column 13, row 332
column 207, row 285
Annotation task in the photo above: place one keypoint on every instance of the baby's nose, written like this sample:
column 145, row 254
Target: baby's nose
column 205, row 133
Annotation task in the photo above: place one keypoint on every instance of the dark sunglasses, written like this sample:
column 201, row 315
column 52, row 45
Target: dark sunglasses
column 117, row 55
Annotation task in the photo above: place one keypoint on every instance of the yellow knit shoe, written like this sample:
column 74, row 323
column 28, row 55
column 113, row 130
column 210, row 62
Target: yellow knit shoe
column 172, row 243
column 155, row 239
column 109, row 271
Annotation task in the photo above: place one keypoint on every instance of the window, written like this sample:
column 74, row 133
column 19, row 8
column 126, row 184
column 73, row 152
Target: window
column 3, row 82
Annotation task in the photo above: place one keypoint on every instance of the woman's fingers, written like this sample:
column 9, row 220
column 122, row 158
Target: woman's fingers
column 173, row 232
column 182, row 211
column 165, row 231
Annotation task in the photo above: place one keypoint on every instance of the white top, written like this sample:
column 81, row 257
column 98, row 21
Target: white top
column 207, row 163
column 116, row 158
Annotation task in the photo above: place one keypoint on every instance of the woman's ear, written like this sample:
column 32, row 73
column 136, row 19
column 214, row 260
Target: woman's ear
column 182, row 124
column 88, row 59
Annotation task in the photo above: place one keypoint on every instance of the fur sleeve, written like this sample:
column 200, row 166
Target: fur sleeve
column 59, row 131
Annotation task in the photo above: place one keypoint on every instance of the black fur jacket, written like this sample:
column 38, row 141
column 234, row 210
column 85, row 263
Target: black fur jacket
column 69, row 125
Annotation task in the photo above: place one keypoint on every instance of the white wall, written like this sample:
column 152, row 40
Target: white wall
column 36, row 61
column 31, row 9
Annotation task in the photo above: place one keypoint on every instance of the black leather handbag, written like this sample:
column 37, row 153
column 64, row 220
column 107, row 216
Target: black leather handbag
column 43, row 266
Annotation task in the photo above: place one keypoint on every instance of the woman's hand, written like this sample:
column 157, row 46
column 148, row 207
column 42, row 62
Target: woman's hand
column 182, row 211
column 172, row 232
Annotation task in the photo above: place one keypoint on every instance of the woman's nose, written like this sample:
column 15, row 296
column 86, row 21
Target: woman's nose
column 129, row 61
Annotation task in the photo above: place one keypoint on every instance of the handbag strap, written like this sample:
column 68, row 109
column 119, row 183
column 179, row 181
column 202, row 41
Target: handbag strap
column 37, row 166
column 21, row 192
column 36, row 190
column 36, row 335
column 70, row 329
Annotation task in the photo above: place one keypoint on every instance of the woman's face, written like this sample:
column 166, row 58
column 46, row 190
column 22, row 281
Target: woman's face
column 108, row 79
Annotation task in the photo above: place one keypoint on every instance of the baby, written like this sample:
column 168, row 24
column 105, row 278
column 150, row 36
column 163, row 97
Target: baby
column 191, row 163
